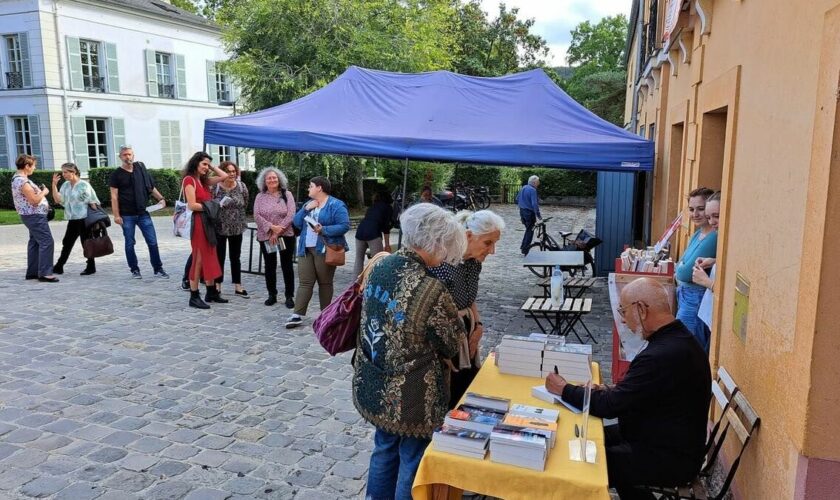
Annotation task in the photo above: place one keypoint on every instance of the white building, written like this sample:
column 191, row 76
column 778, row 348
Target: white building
column 82, row 77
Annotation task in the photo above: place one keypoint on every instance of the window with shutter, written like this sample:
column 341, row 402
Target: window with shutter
column 170, row 143
column 91, row 63
column 4, row 146
column 97, row 142
column 14, row 58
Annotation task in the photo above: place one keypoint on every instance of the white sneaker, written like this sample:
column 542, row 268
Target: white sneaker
column 294, row 321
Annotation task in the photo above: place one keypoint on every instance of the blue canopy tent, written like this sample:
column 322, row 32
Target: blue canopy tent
column 522, row 119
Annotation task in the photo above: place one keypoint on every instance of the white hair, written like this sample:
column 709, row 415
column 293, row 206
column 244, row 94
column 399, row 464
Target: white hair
column 481, row 222
column 429, row 228
column 284, row 183
column 533, row 179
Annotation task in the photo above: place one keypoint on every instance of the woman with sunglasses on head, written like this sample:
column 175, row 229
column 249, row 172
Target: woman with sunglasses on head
column 232, row 195
column 205, row 264
column 703, row 244
column 76, row 195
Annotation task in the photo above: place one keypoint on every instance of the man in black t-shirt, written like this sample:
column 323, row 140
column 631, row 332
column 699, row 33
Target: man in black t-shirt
column 662, row 403
column 131, row 186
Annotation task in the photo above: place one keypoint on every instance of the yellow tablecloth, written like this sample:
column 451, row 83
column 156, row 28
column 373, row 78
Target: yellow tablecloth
column 562, row 477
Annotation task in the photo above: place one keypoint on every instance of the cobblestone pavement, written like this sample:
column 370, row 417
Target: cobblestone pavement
column 113, row 388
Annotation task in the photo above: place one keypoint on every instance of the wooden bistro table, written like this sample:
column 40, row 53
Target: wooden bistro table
column 566, row 259
column 562, row 477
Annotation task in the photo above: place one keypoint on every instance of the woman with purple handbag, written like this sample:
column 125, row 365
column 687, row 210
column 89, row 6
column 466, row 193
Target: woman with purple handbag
column 408, row 332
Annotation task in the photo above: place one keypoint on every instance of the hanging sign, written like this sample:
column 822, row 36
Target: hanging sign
column 672, row 14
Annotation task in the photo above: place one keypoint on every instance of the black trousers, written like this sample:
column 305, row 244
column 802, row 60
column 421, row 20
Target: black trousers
column 75, row 230
column 286, row 266
column 235, row 244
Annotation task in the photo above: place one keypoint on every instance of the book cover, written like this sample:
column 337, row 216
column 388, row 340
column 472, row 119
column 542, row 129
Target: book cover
column 549, row 414
column 522, row 342
column 514, row 437
column 461, row 434
column 484, row 401
column 473, row 418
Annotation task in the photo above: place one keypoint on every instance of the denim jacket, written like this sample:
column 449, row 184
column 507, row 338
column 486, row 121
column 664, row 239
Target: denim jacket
column 335, row 221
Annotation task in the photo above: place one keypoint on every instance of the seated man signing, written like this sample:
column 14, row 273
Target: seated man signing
column 661, row 404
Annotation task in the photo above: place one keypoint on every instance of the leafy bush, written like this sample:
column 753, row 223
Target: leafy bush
column 561, row 182
column 491, row 177
column 167, row 181
column 38, row 177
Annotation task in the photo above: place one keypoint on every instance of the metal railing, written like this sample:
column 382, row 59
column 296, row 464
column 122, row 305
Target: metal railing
column 650, row 42
column 166, row 90
column 14, row 80
column 94, row 83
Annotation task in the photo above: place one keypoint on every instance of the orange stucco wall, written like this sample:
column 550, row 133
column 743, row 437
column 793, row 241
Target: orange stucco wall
column 773, row 67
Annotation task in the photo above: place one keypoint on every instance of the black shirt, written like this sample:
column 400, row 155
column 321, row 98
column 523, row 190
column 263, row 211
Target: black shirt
column 460, row 280
column 662, row 403
column 377, row 221
column 133, row 189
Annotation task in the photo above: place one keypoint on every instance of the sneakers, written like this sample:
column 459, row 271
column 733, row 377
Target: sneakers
column 160, row 273
column 294, row 321
column 136, row 275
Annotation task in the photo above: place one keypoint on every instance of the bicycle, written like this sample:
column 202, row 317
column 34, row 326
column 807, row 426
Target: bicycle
column 583, row 242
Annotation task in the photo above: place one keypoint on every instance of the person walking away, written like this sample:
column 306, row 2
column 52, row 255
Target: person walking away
column 374, row 232
column 323, row 220
column 703, row 244
column 409, row 330
column 232, row 195
column 205, row 263
column 529, row 211
column 274, row 209
column 131, row 185
column 31, row 204
column 76, row 195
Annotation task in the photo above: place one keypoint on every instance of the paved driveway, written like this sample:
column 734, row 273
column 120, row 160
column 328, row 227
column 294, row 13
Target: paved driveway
column 113, row 388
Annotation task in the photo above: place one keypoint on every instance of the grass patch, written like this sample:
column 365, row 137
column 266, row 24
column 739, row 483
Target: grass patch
column 8, row 217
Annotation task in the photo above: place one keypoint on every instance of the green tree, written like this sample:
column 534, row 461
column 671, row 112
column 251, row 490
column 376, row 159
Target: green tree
column 186, row 5
column 497, row 46
column 599, row 78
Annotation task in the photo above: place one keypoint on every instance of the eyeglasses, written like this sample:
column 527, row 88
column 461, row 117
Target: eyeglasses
column 623, row 310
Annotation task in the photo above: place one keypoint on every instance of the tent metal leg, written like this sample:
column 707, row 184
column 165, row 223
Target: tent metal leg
column 300, row 172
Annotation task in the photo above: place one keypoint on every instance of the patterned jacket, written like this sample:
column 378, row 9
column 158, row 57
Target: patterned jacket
column 409, row 324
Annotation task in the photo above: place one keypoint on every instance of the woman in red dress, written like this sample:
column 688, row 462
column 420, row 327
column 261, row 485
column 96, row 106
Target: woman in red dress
column 205, row 263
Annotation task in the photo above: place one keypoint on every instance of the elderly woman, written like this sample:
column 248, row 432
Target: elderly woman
column 31, row 204
column 322, row 221
column 274, row 209
column 409, row 330
column 483, row 230
column 703, row 244
column 196, row 184
column 701, row 266
column 232, row 195
column 75, row 194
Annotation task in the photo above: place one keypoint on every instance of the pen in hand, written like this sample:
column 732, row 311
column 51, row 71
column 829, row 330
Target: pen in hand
column 556, row 371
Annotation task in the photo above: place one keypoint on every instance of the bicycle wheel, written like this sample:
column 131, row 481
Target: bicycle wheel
column 482, row 201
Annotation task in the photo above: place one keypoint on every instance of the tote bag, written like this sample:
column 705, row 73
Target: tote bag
column 182, row 219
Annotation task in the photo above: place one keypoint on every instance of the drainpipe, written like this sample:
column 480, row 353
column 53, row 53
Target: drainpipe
column 65, row 113
column 634, row 109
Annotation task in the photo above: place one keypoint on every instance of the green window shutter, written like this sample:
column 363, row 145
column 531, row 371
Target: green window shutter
column 74, row 62
column 212, row 96
column 180, row 77
column 165, row 148
column 35, row 136
column 175, row 138
column 118, row 137
column 26, row 67
column 112, row 67
column 4, row 146
column 151, row 74
column 80, row 145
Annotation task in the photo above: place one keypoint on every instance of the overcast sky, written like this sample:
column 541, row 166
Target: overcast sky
column 555, row 19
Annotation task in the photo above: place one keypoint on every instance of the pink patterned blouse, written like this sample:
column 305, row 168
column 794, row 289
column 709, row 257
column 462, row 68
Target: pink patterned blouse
column 273, row 209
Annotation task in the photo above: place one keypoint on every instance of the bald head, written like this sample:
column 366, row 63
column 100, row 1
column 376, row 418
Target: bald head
column 648, row 291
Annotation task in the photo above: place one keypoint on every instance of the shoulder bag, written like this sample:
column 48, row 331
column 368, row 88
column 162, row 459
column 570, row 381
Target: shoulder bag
column 337, row 327
column 98, row 243
column 182, row 219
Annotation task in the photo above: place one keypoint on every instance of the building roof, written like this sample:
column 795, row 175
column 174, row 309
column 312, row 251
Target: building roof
column 164, row 9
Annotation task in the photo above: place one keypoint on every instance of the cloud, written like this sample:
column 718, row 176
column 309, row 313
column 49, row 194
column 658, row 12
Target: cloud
column 555, row 19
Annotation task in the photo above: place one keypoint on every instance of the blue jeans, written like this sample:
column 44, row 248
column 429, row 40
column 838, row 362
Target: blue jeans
column 393, row 464
column 147, row 227
column 529, row 218
column 39, row 249
column 688, row 303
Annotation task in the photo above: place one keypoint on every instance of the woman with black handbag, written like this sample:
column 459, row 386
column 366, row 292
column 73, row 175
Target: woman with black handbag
column 76, row 195
column 32, row 206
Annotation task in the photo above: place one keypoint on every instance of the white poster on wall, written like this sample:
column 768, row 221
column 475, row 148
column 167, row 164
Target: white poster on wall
column 672, row 14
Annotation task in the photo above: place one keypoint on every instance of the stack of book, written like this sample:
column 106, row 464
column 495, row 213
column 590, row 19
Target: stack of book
column 520, row 448
column 494, row 403
column 459, row 441
column 473, row 418
column 518, row 355
column 544, row 428
column 573, row 361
